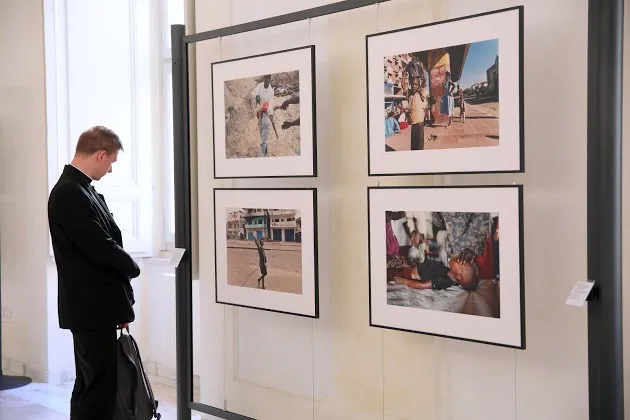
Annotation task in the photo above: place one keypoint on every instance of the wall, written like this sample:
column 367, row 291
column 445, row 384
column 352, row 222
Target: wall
column 271, row 366
column 23, row 223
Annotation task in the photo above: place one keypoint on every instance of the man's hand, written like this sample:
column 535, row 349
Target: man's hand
column 123, row 326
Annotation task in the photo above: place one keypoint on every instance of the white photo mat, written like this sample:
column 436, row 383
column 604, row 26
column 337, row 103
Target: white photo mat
column 504, row 26
column 305, row 200
column 505, row 330
column 301, row 60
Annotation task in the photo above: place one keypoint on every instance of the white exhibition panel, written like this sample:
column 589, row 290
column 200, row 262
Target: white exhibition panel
column 373, row 374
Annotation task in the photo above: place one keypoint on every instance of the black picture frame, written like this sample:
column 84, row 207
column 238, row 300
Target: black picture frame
column 515, row 224
column 418, row 162
column 243, row 195
column 270, row 167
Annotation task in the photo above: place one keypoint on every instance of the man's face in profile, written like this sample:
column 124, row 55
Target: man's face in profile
column 103, row 164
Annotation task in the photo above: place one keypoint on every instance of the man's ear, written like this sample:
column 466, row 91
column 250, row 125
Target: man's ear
column 100, row 155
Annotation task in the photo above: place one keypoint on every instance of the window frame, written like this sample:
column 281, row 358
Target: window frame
column 166, row 62
column 60, row 144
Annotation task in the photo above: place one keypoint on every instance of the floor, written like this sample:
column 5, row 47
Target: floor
column 39, row 401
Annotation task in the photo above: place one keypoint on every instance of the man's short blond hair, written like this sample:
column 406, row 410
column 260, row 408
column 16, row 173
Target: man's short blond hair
column 98, row 138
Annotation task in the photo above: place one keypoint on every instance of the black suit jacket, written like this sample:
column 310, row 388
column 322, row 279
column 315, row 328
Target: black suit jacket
column 94, row 270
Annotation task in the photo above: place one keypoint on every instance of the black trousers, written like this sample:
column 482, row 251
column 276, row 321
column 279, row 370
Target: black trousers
column 96, row 385
column 417, row 137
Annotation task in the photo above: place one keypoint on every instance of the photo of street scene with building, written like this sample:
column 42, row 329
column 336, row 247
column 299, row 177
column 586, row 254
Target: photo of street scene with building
column 264, row 249
column 262, row 116
column 442, row 99
column 443, row 261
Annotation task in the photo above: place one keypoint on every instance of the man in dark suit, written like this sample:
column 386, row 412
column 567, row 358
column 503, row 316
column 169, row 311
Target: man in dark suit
column 94, row 271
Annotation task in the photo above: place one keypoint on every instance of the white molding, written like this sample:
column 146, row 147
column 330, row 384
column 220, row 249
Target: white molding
column 56, row 59
column 16, row 367
column 162, row 195
column 57, row 86
column 167, row 242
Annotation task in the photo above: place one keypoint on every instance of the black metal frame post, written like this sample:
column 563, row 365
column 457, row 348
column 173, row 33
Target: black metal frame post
column 604, row 174
column 183, row 225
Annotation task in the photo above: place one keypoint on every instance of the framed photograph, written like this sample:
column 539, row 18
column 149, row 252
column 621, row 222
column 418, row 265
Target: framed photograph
column 264, row 115
column 436, row 103
column 266, row 249
column 438, row 265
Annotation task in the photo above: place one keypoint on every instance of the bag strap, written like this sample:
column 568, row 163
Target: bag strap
column 145, row 379
column 135, row 379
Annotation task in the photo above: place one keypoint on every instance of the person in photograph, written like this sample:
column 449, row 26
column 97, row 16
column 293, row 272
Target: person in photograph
column 468, row 235
column 447, row 102
column 263, row 95
column 434, row 275
column 417, row 110
column 394, row 259
column 288, row 123
column 417, row 249
column 462, row 106
column 293, row 100
column 262, row 262
column 391, row 125
column 415, row 68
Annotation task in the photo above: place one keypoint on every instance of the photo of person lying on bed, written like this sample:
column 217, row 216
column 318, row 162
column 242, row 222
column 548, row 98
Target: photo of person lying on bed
column 447, row 261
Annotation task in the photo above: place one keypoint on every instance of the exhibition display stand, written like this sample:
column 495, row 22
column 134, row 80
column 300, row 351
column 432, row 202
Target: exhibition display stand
column 605, row 70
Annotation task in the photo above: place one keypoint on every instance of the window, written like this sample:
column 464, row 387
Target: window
column 99, row 76
column 121, row 78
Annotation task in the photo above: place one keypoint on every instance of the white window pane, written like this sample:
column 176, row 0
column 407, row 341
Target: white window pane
column 175, row 12
column 174, row 16
column 123, row 88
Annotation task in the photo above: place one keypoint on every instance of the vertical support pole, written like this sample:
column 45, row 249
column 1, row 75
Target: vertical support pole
column 183, row 273
column 604, row 174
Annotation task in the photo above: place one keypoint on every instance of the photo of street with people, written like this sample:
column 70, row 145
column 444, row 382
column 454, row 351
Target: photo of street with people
column 444, row 261
column 264, row 249
column 262, row 116
column 442, row 99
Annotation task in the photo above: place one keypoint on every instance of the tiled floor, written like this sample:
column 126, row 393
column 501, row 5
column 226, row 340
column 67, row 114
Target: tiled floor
column 39, row 401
